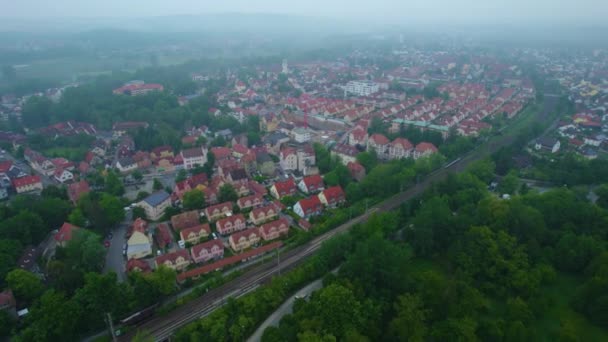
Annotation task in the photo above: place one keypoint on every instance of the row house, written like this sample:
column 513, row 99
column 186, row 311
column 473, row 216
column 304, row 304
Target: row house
column 310, row 184
column 263, row 214
column 177, row 260
column 245, row 239
column 283, row 188
column 206, row 251
column 231, row 224
column 275, row 229
column 217, row 211
column 196, row 233
column 251, row 201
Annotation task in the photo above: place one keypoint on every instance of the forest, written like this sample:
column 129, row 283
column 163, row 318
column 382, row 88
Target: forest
column 455, row 264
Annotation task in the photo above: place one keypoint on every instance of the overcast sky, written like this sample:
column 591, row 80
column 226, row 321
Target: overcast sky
column 559, row 12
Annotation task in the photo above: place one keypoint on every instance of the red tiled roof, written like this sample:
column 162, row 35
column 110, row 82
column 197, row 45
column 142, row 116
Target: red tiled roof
column 228, row 261
column 426, row 146
column 196, row 249
column 286, row 187
column 355, row 167
column 172, row 256
column 403, row 143
column 76, row 190
column 65, row 232
column 27, row 180
column 334, row 194
column 185, row 220
column 313, row 182
column 132, row 264
column 265, row 209
column 252, row 198
column 310, row 204
column 231, row 219
column 221, row 152
column 379, row 139
column 163, row 235
column 265, row 228
column 5, row 166
column 196, row 229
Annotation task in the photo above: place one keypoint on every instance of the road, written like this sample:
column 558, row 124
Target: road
column 163, row 327
column 115, row 260
column 287, row 307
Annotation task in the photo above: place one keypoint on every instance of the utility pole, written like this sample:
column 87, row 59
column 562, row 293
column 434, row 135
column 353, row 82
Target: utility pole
column 111, row 325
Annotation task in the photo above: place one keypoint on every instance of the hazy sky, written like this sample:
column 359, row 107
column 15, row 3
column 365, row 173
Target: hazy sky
column 427, row 11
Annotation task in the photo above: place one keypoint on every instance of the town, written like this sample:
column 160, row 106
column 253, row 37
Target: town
column 172, row 188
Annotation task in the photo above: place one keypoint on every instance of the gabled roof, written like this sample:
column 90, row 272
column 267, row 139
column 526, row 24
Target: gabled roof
column 25, row 181
column 196, row 229
column 379, row 139
column 196, row 249
column 133, row 264
column 65, row 232
column 334, row 194
column 195, row 152
column 313, row 181
column 265, row 228
column 402, row 143
column 76, row 190
column 221, row 152
column 244, row 233
column 253, row 198
column 426, row 146
column 163, row 235
column 185, row 220
column 310, row 204
column 285, row 187
column 173, row 256
column 230, row 219
column 265, row 210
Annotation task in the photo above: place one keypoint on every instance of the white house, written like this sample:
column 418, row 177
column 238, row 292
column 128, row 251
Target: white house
column 193, row 157
column 301, row 135
column 63, row 176
column 126, row 165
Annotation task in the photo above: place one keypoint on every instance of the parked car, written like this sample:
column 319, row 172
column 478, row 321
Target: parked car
column 106, row 244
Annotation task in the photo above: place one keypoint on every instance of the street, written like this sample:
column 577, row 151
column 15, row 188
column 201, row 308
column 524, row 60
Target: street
column 115, row 261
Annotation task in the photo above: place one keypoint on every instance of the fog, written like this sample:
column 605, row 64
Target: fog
column 401, row 12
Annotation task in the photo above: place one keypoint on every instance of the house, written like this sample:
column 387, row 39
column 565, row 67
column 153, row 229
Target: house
column 62, row 175
column 273, row 230
column 185, row 220
column 378, row 143
column 196, row 156
column 548, row 144
column 245, row 239
column 263, row 214
column 237, row 175
column 121, row 128
column 250, row 201
column 194, row 182
column 231, row 224
column 76, row 190
column 310, row 184
column 139, row 88
column 136, row 265
column 3, row 192
column 221, row 153
column 333, row 196
column 307, row 160
column 65, row 233
column 288, row 159
column 27, row 184
column 177, row 260
column 301, row 135
column 346, row 153
column 400, row 148
column 308, row 207
column 217, row 211
column 163, row 236
column 239, row 150
column 196, row 233
column 210, row 250
column 283, row 188
column 155, row 205
column 269, row 123
column 126, row 165
column 357, row 136
column 224, row 133
column 257, row 188
column 162, row 152
column 357, row 171
column 424, row 149
column 139, row 244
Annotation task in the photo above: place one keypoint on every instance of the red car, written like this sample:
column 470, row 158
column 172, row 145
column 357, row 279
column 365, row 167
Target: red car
column 106, row 244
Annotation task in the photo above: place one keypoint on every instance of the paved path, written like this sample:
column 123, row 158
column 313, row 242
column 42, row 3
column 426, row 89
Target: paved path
column 287, row 307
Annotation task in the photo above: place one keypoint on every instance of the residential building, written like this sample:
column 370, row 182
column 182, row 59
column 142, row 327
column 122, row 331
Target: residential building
column 139, row 244
column 155, row 205
column 283, row 188
column 65, row 233
column 345, row 153
column 357, row 171
column 263, row 214
column 192, row 157
column 196, row 233
column 126, row 165
column 311, row 184
column 548, row 144
column 217, row 211
column 400, row 148
column 27, row 184
column 245, row 239
column 250, row 201
column 332, row 196
column 162, row 152
column 361, row 88
column 163, row 236
column 378, row 143
column 288, row 159
column 308, row 207
column 177, row 260
column 137, row 265
column 63, row 176
column 134, row 89
column 265, row 164
column 206, row 251
column 424, row 149
column 231, row 224
column 275, row 229
column 301, row 135
column 357, row 136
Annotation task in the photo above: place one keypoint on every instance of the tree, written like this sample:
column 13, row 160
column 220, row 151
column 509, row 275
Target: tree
column 112, row 209
column 157, row 185
column 410, row 321
column 139, row 212
column 7, row 323
column 376, row 126
column 52, row 318
column 194, row 199
column 25, row 285
column 53, row 191
column 483, row 169
column 338, row 310
column 137, row 175
column 9, row 73
column 84, row 251
column 602, row 194
column 181, row 176
column 141, row 195
column 113, row 184
column 322, row 158
column 77, row 218
column 227, row 193
column 508, row 184
column 369, row 160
